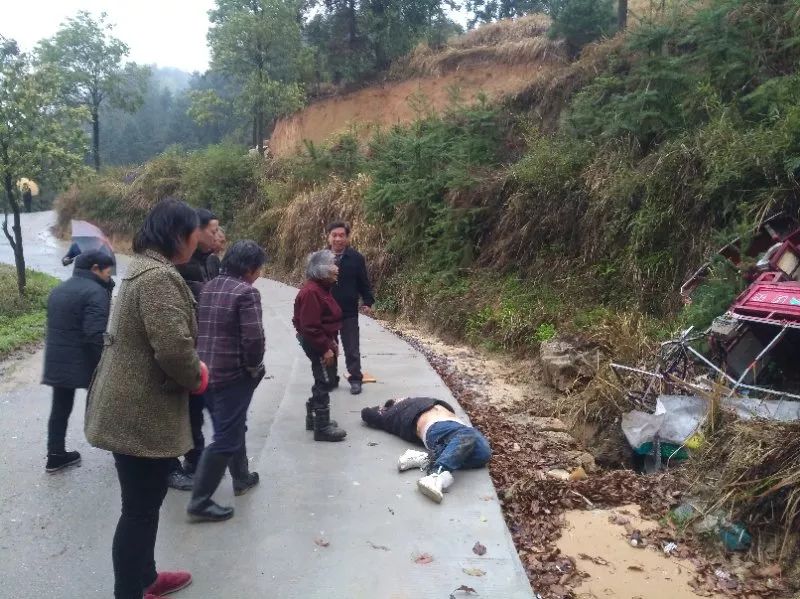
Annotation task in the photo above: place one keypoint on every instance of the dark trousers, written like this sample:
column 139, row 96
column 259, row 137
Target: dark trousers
column 63, row 400
column 228, row 408
column 143, row 482
column 196, row 405
column 351, row 344
column 325, row 377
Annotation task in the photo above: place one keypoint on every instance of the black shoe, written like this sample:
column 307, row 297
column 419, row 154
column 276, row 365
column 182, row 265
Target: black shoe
column 211, row 512
column 180, row 481
column 59, row 461
column 324, row 428
column 240, row 487
column 355, row 387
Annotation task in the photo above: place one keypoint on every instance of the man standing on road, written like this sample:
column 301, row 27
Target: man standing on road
column 353, row 284
column 77, row 315
column 197, row 272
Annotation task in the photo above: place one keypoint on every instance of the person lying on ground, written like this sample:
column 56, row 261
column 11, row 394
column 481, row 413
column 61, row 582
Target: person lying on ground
column 231, row 342
column 451, row 444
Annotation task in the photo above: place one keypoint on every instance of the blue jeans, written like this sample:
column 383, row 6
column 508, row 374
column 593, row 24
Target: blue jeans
column 228, row 408
column 456, row 446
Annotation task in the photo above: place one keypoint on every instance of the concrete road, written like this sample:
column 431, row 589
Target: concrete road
column 328, row 521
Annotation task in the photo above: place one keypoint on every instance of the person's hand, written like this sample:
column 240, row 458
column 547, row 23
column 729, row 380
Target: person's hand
column 367, row 311
column 66, row 261
column 203, row 380
column 328, row 358
column 258, row 372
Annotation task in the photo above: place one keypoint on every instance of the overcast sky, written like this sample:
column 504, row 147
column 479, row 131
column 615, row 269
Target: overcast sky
column 169, row 33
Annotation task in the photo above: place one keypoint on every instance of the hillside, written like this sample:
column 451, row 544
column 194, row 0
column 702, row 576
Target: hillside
column 498, row 60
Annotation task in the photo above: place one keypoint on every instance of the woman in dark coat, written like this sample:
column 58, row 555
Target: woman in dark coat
column 77, row 315
column 317, row 320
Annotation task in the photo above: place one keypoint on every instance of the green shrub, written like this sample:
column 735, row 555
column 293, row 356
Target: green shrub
column 219, row 178
column 582, row 21
column 22, row 319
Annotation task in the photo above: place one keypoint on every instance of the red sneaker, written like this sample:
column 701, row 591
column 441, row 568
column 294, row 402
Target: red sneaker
column 168, row 582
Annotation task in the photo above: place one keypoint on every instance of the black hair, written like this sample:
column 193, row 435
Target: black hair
column 243, row 257
column 91, row 258
column 338, row 224
column 168, row 224
column 205, row 216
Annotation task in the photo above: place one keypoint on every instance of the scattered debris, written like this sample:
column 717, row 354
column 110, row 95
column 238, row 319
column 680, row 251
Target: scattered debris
column 372, row 444
column 322, row 542
column 463, row 589
column 391, row 511
column 670, row 548
column 558, row 474
column 578, row 474
column 473, row 571
column 380, row 547
column 636, row 540
column 479, row 549
column 595, row 560
column 564, row 366
column 422, row 558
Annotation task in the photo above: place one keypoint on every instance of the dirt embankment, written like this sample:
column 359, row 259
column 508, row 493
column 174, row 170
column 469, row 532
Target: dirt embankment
column 392, row 103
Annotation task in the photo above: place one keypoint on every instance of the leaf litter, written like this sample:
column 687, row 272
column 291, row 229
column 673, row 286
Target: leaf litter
column 534, row 505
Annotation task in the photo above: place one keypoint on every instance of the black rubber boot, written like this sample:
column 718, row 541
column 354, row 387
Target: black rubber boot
column 243, row 479
column 310, row 417
column 209, row 473
column 324, row 429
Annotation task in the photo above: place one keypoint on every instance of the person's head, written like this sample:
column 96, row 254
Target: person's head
column 220, row 241
column 209, row 225
column 321, row 267
column 100, row 263
column 338, row 236
column 245, row 260
column 171, row 229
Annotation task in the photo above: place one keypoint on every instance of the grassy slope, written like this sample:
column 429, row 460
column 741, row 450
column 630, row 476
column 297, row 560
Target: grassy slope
column 22, row 319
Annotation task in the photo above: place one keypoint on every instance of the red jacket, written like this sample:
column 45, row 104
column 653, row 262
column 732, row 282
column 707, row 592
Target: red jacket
column 317, row 316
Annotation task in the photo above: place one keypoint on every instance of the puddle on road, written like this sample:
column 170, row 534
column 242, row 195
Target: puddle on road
column 630, row 573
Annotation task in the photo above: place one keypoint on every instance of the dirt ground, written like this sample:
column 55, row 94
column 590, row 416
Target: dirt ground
column 388, row 104
column 575, row 536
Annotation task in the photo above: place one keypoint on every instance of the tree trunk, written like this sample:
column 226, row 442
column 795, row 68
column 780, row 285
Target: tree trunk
column 96, row 138
column 622, row 14
column 255, row 131
column 16, row 240
column 260, row 120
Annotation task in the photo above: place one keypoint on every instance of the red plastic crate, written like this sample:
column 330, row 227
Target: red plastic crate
column 779, row 302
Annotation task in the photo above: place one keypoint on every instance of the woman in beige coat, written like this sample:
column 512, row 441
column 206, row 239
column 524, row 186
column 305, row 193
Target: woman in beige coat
column 138, row 404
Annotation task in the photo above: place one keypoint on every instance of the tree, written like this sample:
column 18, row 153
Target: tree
column 257, row 44
column 580, row 22
column 485, row 11
column 91, row 63
column 40, row 136
column 622, row 14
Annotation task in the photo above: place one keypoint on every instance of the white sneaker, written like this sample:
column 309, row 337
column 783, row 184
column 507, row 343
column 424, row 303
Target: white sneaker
column 434, row 485
column 412, row 459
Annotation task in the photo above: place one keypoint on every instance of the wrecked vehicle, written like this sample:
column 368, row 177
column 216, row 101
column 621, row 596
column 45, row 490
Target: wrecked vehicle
column 750, row 360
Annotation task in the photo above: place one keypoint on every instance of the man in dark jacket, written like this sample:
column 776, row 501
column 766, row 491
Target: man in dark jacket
column 77, row 316
column 451, row 444
column 231, row 342
column 353, row 284
column 201, row 268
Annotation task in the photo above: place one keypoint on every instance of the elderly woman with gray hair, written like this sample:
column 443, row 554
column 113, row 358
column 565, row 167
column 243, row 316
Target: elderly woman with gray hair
column 317, row 320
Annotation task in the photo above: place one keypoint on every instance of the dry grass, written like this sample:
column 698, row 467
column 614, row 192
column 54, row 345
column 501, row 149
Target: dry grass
column 511, row 42
column 751, row 469
column 300, row 225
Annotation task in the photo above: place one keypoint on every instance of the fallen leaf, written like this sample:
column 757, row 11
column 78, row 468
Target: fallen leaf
column 636, row 568
column 595, row 560
column 374, row 546
column 479, row 549
column 423, row 558
column 473, row 571
column 463, row 589
column 322, row 542
column 772, row 571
